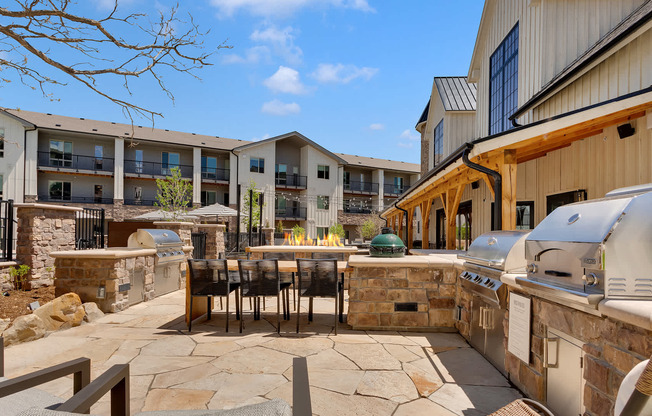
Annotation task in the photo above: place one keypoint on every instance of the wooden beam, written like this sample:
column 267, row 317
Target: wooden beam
column 410, row 231
column 425, row 223
column 453, row 197
column 400, row 223
column 489, row 181
column 508, row 173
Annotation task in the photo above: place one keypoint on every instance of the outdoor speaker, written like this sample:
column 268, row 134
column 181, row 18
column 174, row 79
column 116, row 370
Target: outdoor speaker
column 625, row 130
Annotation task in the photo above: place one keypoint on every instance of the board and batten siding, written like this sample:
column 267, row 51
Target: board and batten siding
column 458, row 129
column 436, row 114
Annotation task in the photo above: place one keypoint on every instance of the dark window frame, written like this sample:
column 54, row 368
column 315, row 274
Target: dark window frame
column 324, row 201
column 438, row 143
column 323, row 171
column 2, row 143
column 63, row 197
column 503, row 82
column 258, row 166
column 529, row 204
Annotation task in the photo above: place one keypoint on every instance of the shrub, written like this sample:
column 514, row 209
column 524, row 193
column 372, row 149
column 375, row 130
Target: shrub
column 18, row 275
column 338, row 230
column 298, row 230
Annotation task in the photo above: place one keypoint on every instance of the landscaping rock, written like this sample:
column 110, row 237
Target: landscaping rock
column 4, row 323
column 63, row 312
column 93, row 313
column 25, row 328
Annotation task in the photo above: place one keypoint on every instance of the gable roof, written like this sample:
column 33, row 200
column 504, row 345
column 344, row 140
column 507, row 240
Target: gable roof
column 109, row 129
column 372, row 162
column 424, row 114
column 293, row 134
column 611, row 39
column 456, row 93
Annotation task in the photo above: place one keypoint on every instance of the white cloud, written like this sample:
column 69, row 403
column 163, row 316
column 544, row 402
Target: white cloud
column 279, row 108
column 282, row 42
column 409, row 135
column 285, row 80
column 266, row 8
column 264, row 137
column 342, row 74
column 376, row 126
column 253, row 55
column 405, row 145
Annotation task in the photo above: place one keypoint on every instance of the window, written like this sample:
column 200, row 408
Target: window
column 555, row 201
column 322, row 232
column 439, row 144
column 322, row 202
column 503, row 86
column 139, row 161
column 226, row 199
column 1, row 187
column 99, row 156
column 59, row 190
column 257, row 165
column 398, row 185
column 323, row 171
column 169, row 161
column 209, row 167
column 98, row 194
column 208, row 198
column 138, row 194
column 347, row 180
column 281, row 174
column 60, row 153
column 281, row 205
column 525, row 215
column 2, row 142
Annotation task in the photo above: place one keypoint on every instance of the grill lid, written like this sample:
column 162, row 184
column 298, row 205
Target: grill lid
column 502, row 250
column 387, row 244
column 154, row 238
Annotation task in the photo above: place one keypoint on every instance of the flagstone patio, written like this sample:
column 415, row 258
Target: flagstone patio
column 353, row 373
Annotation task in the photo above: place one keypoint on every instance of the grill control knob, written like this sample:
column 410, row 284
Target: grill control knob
column 531, row 268
column 591, row 279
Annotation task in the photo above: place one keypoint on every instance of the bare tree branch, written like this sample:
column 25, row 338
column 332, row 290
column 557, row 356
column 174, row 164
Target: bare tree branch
column 87, row 49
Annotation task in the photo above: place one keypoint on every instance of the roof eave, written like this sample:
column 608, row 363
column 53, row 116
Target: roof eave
column 24, row 122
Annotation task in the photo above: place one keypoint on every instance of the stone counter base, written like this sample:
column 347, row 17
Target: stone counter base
column 377, row 295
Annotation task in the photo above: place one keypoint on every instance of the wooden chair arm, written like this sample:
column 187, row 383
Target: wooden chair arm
column 115, row 380
column 80, row 368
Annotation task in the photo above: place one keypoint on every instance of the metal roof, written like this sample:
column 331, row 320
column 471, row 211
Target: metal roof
column 632, row 22
column 107, row 128
column 371, row 162
column 456, row 94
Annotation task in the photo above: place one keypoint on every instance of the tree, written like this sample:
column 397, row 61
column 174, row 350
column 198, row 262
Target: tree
column 89, row 50
column 254, row 206
column 338, row 230
column 173, row 195
column 370, row 227
column 298, row 231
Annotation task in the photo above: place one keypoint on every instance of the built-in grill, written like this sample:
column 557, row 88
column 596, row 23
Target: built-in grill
column 588, row 251
column 169, row 255
column 489, row 257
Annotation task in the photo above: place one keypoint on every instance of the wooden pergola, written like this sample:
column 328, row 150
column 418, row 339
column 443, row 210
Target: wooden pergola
column 502, row 154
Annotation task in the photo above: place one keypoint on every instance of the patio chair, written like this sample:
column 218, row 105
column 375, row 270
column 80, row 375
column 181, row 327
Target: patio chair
column 260, row 278
column 635, row 390
column 19, row 396
column 318, row 278
column 523, row 407
column 211, row 278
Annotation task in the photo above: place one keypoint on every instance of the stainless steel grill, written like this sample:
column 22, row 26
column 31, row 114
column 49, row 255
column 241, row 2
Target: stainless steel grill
column 489, row 257
column 169, row 256
column 587, row 251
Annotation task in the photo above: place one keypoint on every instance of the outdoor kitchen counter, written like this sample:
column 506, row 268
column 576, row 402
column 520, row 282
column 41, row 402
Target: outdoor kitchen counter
column 403, row 293
column 101, row 253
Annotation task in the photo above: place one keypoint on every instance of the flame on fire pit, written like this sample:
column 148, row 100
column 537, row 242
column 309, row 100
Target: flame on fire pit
column 332, row 240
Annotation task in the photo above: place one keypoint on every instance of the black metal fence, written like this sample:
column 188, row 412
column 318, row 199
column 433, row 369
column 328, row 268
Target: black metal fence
column 89, row 229
column 6, row 230
column 199, row 245
column 234, row 244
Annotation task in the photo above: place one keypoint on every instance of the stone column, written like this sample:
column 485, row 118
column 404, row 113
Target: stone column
column 214, row 239
column 268, row 234
column 42, row 229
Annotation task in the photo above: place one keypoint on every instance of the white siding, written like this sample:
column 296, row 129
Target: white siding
column 12, row 165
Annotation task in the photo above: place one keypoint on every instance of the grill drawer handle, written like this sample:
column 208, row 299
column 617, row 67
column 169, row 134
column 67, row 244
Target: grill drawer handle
column 557, row 273
column 551, row 352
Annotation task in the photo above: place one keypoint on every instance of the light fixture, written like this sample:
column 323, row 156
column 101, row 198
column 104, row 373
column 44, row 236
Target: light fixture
column 625, row 130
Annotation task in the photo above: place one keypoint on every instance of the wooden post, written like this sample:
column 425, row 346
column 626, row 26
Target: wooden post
column 400, row 224
column 508, row 172
column 425, row 223
column 453, row 197
column 410, row 230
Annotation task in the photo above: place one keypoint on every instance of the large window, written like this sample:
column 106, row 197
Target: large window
column 555, row 201
column 1, row 187
column 257, row 165
column 99, row 156
column 169, row 161
column 322, row 232
column 2, row 142
column 322, row 202
column 59, row 191
column 438, row 154
column 60, row 153
column 398, row 185
column 503, row 85
column 208, row 198
column 281, row 174
column 139, row 161
column 524, row 215
column 209, row 167
column 323, row 171
column 347, row 180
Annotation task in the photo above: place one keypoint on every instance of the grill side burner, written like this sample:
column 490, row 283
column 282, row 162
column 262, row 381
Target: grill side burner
column 590, row 250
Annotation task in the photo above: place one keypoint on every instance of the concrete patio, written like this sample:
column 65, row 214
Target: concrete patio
column 353, row 373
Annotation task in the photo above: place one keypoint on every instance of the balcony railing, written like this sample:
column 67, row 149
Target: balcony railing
column 361, row 187
column 292, row 213
column 62, row 161
column 76, row 199
column 142, row 168
column 145, row 202
column 391, row 189
column 349, row 209
column 215, row 174
column 291, row 181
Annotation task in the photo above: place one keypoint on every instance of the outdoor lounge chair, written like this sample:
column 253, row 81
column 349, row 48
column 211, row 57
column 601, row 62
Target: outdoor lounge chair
column 19, row 397
column 318, row 278
column 260, row 278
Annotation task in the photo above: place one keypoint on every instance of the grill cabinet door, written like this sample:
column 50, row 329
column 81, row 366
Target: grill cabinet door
column 564, row 381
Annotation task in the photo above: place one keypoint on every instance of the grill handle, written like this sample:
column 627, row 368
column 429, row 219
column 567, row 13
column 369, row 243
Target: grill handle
column 547, row 353
column 481, row 261
column 557, row 273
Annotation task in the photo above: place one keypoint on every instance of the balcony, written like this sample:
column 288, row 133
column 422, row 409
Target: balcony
column 356, row 187
column 291, row 181
column 351, row 209
column 62, row 162
column 215, row 174
column 75, row 199
column 292, row 213
column 145, row 202
column 140, row 169
column 394, row 190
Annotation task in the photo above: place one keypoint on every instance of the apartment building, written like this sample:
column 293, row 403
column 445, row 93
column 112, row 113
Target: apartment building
column 67, row 160
column 563, row 113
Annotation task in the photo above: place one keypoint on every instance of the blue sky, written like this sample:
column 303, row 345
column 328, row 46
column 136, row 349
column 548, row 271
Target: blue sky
column 352, row 75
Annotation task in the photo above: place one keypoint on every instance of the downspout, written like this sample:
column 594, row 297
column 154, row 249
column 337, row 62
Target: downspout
column 381, row 217
column 237, row 188
column 406, row 219
column 498, row 185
